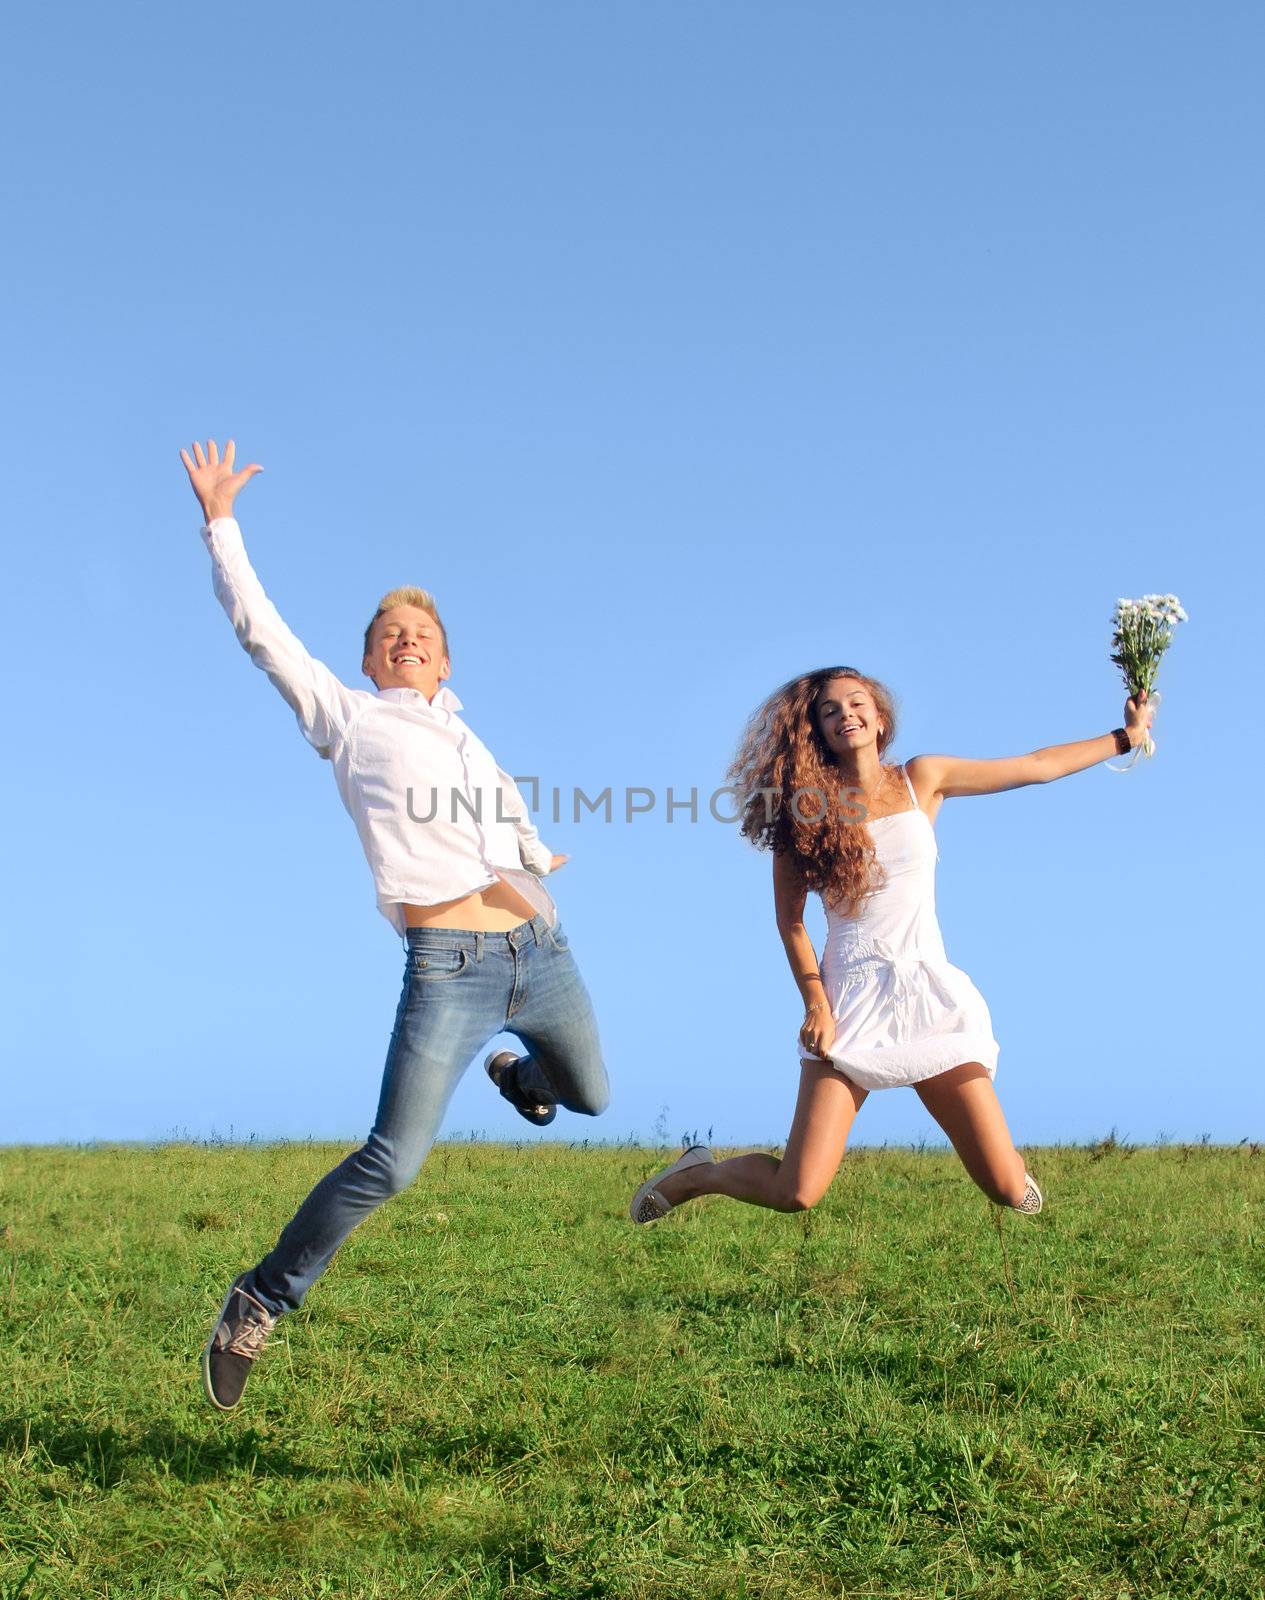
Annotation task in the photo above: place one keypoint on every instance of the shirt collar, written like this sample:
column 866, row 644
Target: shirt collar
column 445, row 699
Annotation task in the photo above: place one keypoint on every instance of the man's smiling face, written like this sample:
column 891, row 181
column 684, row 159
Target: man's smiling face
column 406, row 651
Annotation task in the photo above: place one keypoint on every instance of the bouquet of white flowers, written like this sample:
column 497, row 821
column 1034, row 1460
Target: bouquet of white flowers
column 1142, row 631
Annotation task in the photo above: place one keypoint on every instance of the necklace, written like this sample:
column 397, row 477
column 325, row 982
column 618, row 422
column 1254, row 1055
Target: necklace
column 867, row 801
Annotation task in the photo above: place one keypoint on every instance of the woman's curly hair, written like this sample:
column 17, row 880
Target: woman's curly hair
column 789, row 790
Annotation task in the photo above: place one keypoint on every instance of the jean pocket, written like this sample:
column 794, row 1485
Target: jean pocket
column 557, row 938
column 438, row 966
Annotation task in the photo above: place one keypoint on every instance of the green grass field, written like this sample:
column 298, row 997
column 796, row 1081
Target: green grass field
column 502, row 1388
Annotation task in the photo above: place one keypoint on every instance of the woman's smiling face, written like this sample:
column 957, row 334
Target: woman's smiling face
column 847, row 716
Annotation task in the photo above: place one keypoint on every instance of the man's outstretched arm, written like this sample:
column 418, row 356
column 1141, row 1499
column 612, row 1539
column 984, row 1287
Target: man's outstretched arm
column 322, row 704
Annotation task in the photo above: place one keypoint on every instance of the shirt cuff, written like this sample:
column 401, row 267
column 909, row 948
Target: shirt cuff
column 223, row 534
column 537, row 858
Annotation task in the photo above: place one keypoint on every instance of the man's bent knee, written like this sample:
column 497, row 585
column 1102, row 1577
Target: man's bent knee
column 594, row 1103
column 387, row 1171
column 401, row 1177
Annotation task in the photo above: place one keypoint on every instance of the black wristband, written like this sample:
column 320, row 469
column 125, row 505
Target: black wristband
column 1122, row 741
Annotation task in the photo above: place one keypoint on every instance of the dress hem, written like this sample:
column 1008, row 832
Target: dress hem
column 957, row 1052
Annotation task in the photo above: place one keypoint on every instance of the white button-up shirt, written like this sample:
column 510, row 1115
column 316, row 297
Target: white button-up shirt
column 437, row 817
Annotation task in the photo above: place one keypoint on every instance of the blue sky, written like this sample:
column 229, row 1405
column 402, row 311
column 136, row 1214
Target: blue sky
column 677, row 348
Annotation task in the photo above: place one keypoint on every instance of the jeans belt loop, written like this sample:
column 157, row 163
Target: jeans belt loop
column 478, row 946
column 535, row 930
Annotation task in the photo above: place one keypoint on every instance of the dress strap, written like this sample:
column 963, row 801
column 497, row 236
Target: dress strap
column 904, row 774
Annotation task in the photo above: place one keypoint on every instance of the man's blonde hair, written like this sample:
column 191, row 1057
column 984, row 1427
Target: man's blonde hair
column 408, row 596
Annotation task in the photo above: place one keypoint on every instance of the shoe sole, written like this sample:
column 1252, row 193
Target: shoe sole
column 537, row 1120
column 653, row 1183
column 206, row 1354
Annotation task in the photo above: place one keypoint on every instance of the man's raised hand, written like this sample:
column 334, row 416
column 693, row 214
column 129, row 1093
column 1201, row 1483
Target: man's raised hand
column 215, row 482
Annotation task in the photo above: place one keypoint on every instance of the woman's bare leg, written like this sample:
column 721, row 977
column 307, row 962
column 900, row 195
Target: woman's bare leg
column 824, row 1114
column 965, row 1104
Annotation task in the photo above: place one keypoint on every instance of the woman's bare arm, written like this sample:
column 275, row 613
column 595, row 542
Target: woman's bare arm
column 955, row 776
column 790, row 895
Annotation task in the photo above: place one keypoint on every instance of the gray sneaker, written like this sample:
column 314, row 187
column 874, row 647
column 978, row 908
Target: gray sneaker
column 240, row 1333
column 1032, row 1198
column 648, row 1205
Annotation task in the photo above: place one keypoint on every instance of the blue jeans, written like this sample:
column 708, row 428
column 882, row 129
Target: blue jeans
column 460, row 989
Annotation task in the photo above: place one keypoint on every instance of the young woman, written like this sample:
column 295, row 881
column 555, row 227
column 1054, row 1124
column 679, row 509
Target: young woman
column 884, row 1006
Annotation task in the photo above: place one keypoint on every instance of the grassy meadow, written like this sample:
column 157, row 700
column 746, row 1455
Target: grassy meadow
column 503, row 1388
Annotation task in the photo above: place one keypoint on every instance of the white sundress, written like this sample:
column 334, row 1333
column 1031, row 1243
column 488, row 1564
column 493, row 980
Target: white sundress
column 902, row 1012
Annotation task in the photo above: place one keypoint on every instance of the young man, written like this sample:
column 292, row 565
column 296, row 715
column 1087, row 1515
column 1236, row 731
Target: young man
column 447, row 837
